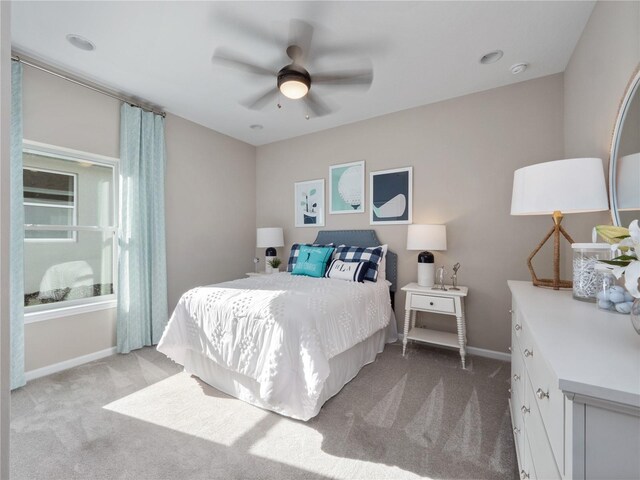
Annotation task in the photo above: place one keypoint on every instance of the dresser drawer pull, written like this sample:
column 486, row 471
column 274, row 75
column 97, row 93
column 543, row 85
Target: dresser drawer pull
column 524, row 409
column 516, row 377
column 528, row 353
column 516, row 430
column 517, row 327
column 542, row 394
column 431, row 303
column 523, row 475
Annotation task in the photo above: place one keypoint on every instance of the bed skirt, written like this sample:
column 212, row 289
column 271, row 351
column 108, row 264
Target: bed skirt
column 343, row 367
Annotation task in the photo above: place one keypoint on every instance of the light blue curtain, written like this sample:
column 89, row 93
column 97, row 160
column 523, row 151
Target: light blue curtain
column 142, row 270
column 16, row 242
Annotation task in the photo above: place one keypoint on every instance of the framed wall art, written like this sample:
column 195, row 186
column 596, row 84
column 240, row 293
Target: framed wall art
column 346, row 188
column 309, row 203
column 391, row 196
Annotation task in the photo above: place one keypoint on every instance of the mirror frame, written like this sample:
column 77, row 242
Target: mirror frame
column 631, row 90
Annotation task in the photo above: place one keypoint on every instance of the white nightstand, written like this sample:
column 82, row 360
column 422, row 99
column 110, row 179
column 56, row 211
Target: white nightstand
column 426, row 299
column 256, row 274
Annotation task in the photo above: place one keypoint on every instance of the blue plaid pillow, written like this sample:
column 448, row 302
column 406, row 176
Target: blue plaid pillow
column 373, row 255
column 295, row 251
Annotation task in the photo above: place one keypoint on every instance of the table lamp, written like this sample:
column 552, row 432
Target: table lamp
column 575, row 185
column 269, row 238
column 426, row 237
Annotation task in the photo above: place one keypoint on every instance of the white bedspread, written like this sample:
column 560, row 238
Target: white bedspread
column 280, row 330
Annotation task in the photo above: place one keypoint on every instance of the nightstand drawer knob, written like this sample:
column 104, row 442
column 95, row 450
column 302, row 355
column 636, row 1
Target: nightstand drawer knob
column 516, row 377
column 517, row 327
column 524, row 409
column 528, row 353
column 542, row 394
column 431, row 303
column 516, row 430
column 524, row 475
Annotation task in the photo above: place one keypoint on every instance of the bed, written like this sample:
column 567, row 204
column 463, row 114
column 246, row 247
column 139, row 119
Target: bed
column 283, row 342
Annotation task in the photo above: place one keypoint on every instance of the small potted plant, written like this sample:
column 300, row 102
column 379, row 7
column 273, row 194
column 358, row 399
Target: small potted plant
column 275, row 265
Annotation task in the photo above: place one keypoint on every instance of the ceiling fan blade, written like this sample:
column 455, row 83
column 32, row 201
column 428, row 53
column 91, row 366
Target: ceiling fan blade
column 300, row 35
column 317, row 106
column 260, row 102
column 226, row 59
column 353, row 77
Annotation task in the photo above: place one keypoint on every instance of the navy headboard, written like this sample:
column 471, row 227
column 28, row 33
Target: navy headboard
column 362, row 238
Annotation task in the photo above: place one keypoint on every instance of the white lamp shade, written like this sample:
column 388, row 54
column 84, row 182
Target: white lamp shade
column 569, row 186
column 427, row 237
column 628, row 182
column 270, row 237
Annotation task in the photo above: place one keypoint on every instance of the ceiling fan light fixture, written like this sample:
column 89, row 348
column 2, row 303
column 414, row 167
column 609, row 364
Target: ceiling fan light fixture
column 293, row 84
column 294, row 89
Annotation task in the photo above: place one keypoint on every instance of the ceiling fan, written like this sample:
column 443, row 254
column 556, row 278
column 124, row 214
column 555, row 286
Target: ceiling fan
column 293, row 80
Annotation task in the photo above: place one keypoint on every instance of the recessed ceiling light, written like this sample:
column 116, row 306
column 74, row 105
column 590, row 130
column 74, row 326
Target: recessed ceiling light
column 256, row 127
column 518, row 68
column 491, row 57
column 80, row 42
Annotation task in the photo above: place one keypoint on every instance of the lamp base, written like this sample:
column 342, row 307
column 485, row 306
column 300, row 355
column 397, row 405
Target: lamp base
column 555, row 282
column 426, row 274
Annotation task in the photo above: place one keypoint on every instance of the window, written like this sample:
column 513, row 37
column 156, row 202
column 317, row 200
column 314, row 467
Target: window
column 70, row 230
column 49, row 199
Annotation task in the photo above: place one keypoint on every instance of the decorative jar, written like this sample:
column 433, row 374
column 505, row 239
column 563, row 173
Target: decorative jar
column 586, row 279
column 612, row 296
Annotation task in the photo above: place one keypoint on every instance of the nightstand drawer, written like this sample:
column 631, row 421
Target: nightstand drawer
column 433, row 303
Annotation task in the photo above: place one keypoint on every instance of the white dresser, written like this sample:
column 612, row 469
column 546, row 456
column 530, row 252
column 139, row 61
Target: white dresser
column 575, row 387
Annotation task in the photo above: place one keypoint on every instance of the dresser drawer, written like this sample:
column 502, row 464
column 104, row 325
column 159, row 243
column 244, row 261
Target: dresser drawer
column 544, row 393
column 517, row 424
column 518, row 373
column 544, row 460
column 433, row 303
column 516, row 321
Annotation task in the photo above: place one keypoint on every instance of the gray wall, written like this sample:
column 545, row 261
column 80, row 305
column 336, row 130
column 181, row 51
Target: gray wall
column 595, row 80
column 205, row 170
column 463, row 152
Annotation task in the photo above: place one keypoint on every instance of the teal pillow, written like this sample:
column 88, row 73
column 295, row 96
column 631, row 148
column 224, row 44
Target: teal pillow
column 312, row 261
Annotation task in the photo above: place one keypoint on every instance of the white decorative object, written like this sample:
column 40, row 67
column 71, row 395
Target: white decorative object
column 586, row 278
column 422, row 299
column 426, row 237
column 269, row 238
column 575, row 388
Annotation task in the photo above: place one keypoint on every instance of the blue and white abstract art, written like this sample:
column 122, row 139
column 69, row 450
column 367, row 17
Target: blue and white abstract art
column 391, row 196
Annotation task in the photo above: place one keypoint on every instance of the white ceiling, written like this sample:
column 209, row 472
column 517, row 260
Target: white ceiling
column 422, row 52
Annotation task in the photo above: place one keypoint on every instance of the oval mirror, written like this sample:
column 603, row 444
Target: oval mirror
column 624, row 161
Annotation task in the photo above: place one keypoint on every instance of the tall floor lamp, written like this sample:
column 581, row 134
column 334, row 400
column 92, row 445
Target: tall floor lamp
column 554, row 188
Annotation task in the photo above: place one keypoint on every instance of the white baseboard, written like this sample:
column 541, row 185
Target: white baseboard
column 481, row 352
column 72, row 362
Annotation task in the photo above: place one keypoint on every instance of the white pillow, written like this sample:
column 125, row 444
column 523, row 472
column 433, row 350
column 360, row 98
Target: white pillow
column 349, row 271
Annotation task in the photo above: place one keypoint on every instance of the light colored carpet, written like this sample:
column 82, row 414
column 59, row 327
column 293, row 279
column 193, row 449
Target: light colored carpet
column 138, row 416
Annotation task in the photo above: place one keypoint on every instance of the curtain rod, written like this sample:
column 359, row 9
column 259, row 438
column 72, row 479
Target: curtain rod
column 16, row 58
